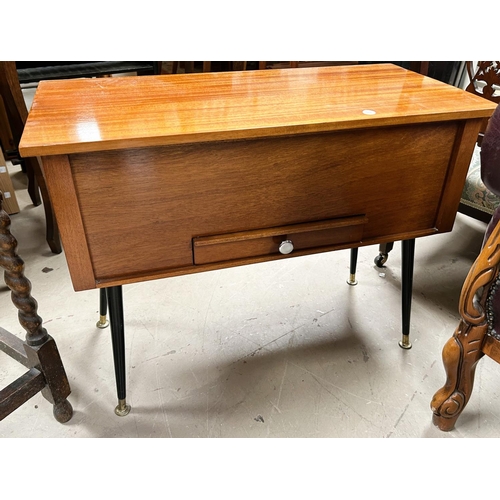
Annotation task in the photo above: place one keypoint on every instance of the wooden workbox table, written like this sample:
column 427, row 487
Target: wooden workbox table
column 159, row 176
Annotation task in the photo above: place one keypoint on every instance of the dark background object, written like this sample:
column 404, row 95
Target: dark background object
column 34, row 71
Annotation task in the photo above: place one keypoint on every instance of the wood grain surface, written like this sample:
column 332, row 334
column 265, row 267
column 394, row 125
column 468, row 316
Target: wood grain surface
column 142, row 207
column 82, row 115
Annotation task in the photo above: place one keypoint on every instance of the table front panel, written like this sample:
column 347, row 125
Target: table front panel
column 141, row 208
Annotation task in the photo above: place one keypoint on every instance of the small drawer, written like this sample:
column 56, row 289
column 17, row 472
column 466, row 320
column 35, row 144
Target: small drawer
column 285, row 240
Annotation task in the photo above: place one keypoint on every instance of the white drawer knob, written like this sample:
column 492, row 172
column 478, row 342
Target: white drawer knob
column 286, row 247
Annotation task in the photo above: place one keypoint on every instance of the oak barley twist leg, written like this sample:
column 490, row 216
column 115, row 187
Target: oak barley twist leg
column 41, row 349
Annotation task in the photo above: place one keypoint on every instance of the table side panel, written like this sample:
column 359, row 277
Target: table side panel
column 459, row 165
column 59, row 180
column 141, row 208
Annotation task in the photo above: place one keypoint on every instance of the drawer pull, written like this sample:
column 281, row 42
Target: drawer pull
column 273, row 242
column 286, row 247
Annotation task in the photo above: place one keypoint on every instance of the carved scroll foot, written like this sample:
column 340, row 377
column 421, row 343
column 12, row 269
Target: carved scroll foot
column 447, row 413
column 63, row 411
column 460, row 356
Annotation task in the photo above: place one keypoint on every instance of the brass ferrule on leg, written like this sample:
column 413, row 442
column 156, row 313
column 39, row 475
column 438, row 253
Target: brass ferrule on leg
column 405, row 342
column 123, row 408
column 103, row 322
column 352, row 280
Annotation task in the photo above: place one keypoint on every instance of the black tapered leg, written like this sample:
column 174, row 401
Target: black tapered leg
column 407, row 257
column 115, row 304
column 103, row 309
column 352, row 267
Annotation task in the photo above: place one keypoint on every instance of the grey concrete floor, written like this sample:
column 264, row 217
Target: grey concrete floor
column 280, row 349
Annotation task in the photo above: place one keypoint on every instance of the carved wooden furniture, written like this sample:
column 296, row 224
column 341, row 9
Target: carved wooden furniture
column 474, row 337
column 478, row 332
column 231, row 168
column 484, row 82
column 39, row 351
column 477, row 200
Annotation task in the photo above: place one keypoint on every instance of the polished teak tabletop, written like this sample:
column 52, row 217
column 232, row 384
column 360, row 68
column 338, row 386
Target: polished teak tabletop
column 83, row 115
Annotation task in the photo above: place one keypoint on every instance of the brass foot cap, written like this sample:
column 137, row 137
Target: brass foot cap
column 405, row 343
column 122, row 409
column 352, row 280
column 102, row 323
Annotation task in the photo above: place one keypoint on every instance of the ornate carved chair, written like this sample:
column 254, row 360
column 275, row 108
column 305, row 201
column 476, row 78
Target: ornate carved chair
column 478, row 332
column 38, row 352
column 477, row 200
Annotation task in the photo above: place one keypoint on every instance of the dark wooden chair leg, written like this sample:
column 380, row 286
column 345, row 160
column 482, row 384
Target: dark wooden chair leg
column 46, row 372
column 46, row 358
column 115, row 304
column 408, row 257
column 52, row 231
column 352, row 267
column 33, row 187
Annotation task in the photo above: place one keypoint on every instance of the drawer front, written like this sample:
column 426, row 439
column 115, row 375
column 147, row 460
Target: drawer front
column 285, row 240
